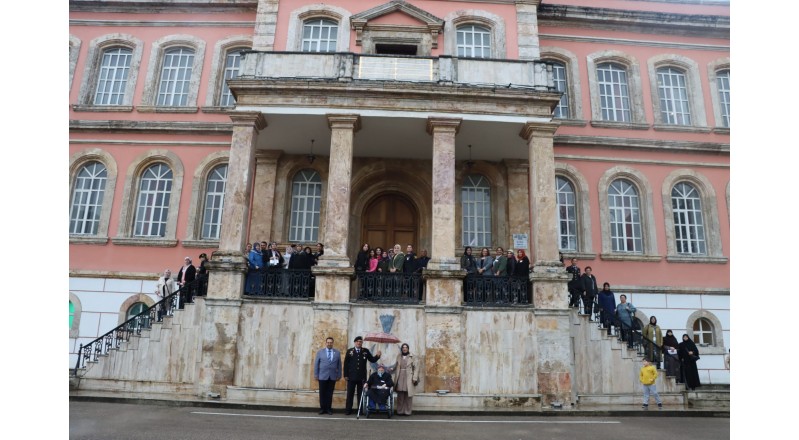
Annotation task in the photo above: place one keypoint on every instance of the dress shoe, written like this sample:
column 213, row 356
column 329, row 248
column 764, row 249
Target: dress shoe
column 322, row 412
column 330, row 412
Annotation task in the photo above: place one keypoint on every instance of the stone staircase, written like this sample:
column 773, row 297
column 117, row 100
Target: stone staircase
column 170, row 350
column 606, row 371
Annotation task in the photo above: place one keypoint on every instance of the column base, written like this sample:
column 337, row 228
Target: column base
column 444, row 287
column 334, row 261
column 550, row 287
column 332, row 283
column 444, row 264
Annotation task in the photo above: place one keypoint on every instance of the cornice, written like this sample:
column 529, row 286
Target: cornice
column 163, row 6
column 643, row 144
column 150, row 126
column 712, row 26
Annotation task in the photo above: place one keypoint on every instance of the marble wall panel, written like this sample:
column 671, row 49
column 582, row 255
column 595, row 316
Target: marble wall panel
column 88, row 284
column 500, row 357
column 716, row 302
column 645, row 300
column 444, row 349
column 123, row 286
column 677, row 301
column 444, row 292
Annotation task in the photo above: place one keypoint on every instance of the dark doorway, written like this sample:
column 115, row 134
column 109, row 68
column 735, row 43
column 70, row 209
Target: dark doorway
column 389, row 219
column 395, row 49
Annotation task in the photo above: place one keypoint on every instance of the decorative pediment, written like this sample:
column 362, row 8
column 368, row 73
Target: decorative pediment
column 432, row 23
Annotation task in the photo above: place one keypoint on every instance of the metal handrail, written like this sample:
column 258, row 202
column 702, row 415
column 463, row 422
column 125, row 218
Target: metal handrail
column 135, row 325
column 391, row 287
column 502, row 290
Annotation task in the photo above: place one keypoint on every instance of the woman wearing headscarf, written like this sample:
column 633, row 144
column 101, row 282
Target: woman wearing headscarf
column 522, row 267
column 671, row 362
column 653, row 340
column 256, row 265
column 607, row 306
column 362, row 260
column 689, row 354
column 406, row 379
column 467, row 261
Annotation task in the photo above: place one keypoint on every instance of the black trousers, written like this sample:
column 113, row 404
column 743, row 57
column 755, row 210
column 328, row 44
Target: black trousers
column 574, row 298
column 326, row 388
column 352, row 385
column 588, row 304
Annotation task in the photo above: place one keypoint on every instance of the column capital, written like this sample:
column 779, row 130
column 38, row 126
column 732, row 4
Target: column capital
column 267, row 156
column 442, row 124
column 244, row 119
column 344, row 121
column 538, row 129
column 517, row 166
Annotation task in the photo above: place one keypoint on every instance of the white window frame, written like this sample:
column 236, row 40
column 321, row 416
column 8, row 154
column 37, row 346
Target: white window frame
column 573, row 94
column 194, row 231
column 626, row 229
column 713, row 69
column 613, row 83
column 318, row 10
column 325, row 26
column 692, row 88
column 214, row 202
column 475, row 49
column 87, row 199
column 306, row 206
column 93, row 68
column 476, row 211
column 560, row 76
column 217, row 85
column 672, row 85
column 629, row 63
column 174, row 82
column 723, row 87
column 704, row 333
column 152, row 201
column 125, row 234
column 716, row 327
column 460, row 17
column 582, row 209
column 230, row 71
column 113, row 75
column 689, row 222
column 77, row 161
column 567, row 214
column 649, row 251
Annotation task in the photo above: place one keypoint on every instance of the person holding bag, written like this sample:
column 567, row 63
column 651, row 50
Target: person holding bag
column 689, row 354
column 407, row 377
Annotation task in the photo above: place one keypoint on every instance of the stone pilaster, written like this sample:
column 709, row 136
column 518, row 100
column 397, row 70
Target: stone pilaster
column 330, row 320
column 527, row 29
column 265, row 25
column 263, row 199
column 518, row 200
column 444, row 349
column 554, row 359
column 339, row 183
column 443, row 131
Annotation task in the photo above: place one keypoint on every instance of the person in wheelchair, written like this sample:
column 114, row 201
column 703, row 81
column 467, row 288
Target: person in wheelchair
column 380, row 385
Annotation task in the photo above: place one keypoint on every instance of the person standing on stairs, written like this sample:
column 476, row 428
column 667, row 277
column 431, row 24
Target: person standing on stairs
column 648, row 375
column 575, row 286
column 607, row 306
column 165, row 287
column 653, row 341
column 625, row 312
column 186, row 276
column 589, row 292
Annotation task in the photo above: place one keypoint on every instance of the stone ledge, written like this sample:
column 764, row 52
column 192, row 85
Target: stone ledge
column 697, row 259
column 620, row 125
column 208, row 244
column 79, row 239
column 102, row 108
column 153, row 242
column 163, row 109
column 630, row 257
column 681, row 128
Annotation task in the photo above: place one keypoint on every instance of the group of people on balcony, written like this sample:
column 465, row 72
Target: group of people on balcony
column 501, row 264
column 393, row 260
column 680, row 357
column 263, row 257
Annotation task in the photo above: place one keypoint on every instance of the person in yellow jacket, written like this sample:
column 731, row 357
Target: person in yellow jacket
column 647, row 376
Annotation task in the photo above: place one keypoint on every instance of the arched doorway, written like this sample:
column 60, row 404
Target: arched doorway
column 388, row 219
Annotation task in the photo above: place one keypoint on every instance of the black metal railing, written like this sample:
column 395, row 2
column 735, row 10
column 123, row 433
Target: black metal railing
column 396, row 287
column 496, row 290
column 280, row 283
column 113, row 339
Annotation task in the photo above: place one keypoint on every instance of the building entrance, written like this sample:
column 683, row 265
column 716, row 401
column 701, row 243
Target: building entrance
column 389, row 219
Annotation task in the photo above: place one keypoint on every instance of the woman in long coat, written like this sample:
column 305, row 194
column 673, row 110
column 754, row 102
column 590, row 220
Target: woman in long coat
column 671, row 362
column 406, row 378
column 689, row 354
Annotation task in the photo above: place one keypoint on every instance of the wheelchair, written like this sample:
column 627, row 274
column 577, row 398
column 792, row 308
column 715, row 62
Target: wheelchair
column 368, row 406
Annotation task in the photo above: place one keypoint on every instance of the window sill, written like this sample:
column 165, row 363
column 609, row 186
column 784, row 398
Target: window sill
column 87, row 239
column 571, row 122
column 630, row 257
column 568, row 255
column 620, row 125
column 102, row 108
column 696, row 259
column 721, row 130
column 200, row 243
column 681, row 128
column 151, row 242
column 217, row 109
column 162, row 109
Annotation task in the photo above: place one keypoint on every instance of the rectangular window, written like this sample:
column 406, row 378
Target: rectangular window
column 673, row 94
column 232, row 62
column 173, row 90
column 723, row 85
column 614, row 96
column 113, row 76
column 559, row 75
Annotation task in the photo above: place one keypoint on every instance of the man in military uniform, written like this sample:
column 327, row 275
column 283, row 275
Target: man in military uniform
column 355, row 370
column 575, row 284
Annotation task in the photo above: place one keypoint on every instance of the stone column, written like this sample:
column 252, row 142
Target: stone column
column 518, row 200
column 263, row 197
column 443, row 131
column 228, row 266
column 334, row 272
column 554, row 362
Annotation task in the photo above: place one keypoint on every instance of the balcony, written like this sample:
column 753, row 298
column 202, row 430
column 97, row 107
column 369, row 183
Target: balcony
column 344, row 66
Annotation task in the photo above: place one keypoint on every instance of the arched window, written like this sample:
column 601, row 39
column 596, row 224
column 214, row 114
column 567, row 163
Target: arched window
column 673, row 95
column 703, row 332
column 135, row 309
column 214, row 202
column 723, row 86
column 474, row 41
column 87, row 199
column 319, row 35
column 562, row 85
column 567, row 214
column 176, row 70
column 689, row 225
column 625, row 217
column 476, row 205
column 152, row 206
column 614, row 94
column 306, row 203
column 71, row 314
column 112, row 77
column 232, row 63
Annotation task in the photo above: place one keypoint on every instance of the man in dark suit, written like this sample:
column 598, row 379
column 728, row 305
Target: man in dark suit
column 409, row 265
column 186, row 275
column 590, row 291
column 327, row 370
column 355, row 370
column 575, row 286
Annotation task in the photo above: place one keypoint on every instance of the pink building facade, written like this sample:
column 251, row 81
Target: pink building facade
column 595, row 130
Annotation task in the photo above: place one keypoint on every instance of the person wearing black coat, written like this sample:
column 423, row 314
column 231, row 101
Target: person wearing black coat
column 575, row 286
column 409, row 264
column 511, row 268
column 355, row 370
column 522, row 266
column 590, row 291
column 186, row 275
column 362, row 260
column 689, row 354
